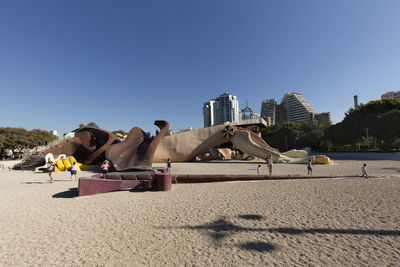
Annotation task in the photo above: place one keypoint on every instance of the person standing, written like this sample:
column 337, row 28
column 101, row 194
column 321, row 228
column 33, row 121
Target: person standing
column 104, row 167
column 309, row 169
column 270, row 162
column 168, row 166
column 258, row 169
column 364, row 171
column 74, row 170
column 52, row 169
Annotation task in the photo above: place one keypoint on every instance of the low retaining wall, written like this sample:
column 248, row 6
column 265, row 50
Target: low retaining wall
column 209, row 178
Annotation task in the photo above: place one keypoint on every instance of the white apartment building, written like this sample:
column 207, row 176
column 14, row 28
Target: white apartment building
column 298, row 109
column 224, row 108
column 209, row 113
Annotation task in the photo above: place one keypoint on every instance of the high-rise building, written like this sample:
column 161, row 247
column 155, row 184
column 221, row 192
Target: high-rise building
column 293, row 108
column 209, row 113
column 298, row 109
column 224, row 108
column 391, row 94
column 268, row 109
column 324, row 118
column 227, row 109
column 281, row 114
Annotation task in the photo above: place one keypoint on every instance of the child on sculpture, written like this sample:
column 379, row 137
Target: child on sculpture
column 104, row 167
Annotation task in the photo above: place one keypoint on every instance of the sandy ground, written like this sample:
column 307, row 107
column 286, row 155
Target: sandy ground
column 322, row 222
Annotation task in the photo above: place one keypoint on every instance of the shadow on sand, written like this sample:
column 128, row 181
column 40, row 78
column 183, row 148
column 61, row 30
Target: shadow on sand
column 393, row 169
column 71, row 193
column 47, row 182
column 221, row 228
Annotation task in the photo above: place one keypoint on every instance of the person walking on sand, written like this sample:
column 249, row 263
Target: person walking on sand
column 309, row 169
column 364, row 171
column 270, row 162
column 52, row 169
column 74, row 170
column 104, row 167
column 168, row 166
column 258, row 169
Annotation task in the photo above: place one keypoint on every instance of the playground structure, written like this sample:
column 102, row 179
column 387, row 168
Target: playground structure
column 131, row 160
column 91, row 145
column 186, row 146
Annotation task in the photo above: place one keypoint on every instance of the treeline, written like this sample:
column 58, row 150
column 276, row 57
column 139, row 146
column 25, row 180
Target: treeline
column 373, row 126
column 18, row 140
column 289, row 135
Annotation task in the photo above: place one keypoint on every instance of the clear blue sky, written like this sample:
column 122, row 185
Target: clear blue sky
column 127, row 63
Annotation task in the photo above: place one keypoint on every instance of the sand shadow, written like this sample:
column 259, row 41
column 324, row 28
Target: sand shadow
column 221, row 228
column 296, row 231
column 71, row 193
column 230, row 161
column 139, row 189
column 393, row 169
column 47, row 182
column 254, row 217
column 258, row 246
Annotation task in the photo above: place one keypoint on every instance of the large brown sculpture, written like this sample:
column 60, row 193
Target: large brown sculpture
column 186, row 146
column 88, row 145
column 137, row 153
column 92, row 145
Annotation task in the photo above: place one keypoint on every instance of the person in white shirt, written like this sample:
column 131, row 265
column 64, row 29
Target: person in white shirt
column 364, row 170
column 270, row 162
column 74, row 170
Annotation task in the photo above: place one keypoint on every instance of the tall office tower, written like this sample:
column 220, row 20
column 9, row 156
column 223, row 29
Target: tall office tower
column 224, row 108
column 209, row 113
column 391, row 94
column 268, row 109
column 297, row 108
column 227, row 109
column 281, row 114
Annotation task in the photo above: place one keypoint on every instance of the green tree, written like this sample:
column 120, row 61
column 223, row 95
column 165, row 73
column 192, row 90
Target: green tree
column 289, row 135
column 380, row 117
column 19, row 139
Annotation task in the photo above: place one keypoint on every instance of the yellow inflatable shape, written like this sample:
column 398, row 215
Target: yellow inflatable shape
column 72, row 159
column 86, row 167
column 322, row 159
column 56, row 169
column 60, row 165
column 67, row 165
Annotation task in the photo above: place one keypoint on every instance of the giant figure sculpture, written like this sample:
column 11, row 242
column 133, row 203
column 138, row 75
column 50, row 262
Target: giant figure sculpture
column 186, row 146
column 92, row 145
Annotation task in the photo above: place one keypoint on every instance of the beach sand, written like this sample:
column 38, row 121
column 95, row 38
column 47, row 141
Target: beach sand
column 321, row 222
